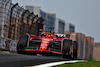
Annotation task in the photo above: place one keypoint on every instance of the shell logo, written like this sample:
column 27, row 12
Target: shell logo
column 49, row 35
column 43, row 48
column 45, row 41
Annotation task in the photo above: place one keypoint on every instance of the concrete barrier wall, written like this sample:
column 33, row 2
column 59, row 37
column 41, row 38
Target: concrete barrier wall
column 8, row 44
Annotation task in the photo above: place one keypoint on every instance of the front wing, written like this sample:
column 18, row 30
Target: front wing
column 37, row 51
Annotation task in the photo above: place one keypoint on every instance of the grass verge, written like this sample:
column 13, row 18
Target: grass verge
column 81, row 64
column 7, row 51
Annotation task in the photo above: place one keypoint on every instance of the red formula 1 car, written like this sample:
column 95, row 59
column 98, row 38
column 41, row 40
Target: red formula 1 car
column 47, row 44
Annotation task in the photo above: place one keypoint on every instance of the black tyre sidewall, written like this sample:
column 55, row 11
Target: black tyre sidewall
column 66, row 48
column 66, row 45
column 22, row 43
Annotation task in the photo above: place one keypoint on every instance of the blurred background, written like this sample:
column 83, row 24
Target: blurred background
column 78, row 18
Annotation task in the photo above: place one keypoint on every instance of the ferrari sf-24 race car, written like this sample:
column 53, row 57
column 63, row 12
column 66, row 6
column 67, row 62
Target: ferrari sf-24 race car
column 47, row 43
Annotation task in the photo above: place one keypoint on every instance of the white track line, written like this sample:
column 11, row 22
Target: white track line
column 57, row 63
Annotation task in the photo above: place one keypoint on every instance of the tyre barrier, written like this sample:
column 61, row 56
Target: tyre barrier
column 8, row 44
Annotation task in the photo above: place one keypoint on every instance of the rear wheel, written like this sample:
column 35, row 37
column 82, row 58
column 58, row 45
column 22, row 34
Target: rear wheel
column 74, row 49
column 23, row 39
column 66, row 48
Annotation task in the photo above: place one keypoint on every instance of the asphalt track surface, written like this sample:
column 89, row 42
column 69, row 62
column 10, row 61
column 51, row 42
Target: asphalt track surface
column 19, row 60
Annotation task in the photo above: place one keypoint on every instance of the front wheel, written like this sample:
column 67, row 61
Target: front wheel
column 66, row 48
column 22, row 43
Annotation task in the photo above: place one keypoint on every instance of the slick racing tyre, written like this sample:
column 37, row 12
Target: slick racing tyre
column 66, row 48
column 75, row 49
column 23, row 39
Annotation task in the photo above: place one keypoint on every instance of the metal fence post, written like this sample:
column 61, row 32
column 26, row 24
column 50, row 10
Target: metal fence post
column 17, row 21
column 4, row 10
column 22, row 24
column 28, row 18
column 10, row 27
